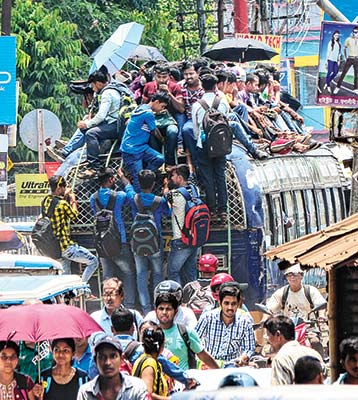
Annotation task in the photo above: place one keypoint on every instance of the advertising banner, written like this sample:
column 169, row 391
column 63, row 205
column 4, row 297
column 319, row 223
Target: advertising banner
column 7, row 80
column 273, row 41
column 3, row 166
column 30, row 189
column 337, row 84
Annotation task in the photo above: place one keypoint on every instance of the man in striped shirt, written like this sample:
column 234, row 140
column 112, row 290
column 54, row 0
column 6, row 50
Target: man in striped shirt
column 226, row 334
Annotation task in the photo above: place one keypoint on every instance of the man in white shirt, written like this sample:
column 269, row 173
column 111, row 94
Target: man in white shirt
column 212, row 170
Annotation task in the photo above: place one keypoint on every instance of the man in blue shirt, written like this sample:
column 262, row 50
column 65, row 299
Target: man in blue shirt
column 147, row 181
column 121, row 266
column 135, row 148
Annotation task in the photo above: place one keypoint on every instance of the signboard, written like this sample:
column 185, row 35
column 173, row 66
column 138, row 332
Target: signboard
column 3, row 166
column 30, row 189
column 7, row 80
column 273, row 41
column 285, row 76
column 337, row 84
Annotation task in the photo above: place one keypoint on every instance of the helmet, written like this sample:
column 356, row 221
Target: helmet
column 208, row 263
column 237, row 379
column 217, row 280
column 171, row 287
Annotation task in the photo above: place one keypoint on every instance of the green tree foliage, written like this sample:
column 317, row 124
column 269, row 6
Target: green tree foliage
column 48, row 57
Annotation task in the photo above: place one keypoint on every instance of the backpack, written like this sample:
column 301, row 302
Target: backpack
column 138, row 370
column 126, row 365
column 218, row 132
column 43, row 236
column 145, row 238
column 185, row 336
column 196, row 228
column 107, row 238
column 22, row 383
column 307, row 291
column 200, row 299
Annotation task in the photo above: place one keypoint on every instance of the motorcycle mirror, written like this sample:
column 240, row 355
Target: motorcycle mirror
column 322, row 306
column 263, row 308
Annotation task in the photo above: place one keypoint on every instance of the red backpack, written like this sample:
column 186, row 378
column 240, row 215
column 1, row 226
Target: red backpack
column 196, row 228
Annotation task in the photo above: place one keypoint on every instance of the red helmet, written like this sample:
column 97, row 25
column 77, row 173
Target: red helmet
column 217, row 280
column 208, row 263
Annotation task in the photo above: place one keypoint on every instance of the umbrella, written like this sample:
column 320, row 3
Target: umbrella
column 240, row 50
column 147, row 53
column 9, row 238
column 117, row 49
column 38, row 322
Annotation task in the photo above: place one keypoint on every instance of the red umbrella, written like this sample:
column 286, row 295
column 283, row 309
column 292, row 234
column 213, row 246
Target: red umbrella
column 38, row 322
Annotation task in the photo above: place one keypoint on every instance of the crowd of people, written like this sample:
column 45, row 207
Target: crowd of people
column 182, row 321
column 135, row 357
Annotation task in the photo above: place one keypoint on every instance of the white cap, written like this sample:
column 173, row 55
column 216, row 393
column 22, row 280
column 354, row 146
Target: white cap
column 295, row 269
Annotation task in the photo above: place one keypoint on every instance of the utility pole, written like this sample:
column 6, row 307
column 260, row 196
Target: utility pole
column 221, row 19
column 6, row 17
column 202, row 25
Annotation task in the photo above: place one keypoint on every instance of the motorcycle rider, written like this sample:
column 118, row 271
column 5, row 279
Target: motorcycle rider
column 296, row 300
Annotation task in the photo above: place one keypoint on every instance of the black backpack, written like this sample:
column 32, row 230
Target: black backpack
column 145, row 239
column 107, row 238
column 218, row 132
column 42, row 235
column 307, row 292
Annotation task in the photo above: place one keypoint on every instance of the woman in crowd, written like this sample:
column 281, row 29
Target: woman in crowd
column 13, row 385
column 62, row 381
column 333, row 59
column 147, row 366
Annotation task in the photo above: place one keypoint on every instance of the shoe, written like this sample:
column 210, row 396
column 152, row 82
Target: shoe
column 336, row 90
column 181, row 152
column 51, row 152
column 87, row 174
column 325, row 86
column 260, row 154
column 314, row 145
column 355, row 91
column 60, row 144
column 329, row 89
column 223, row 218
column 306, row 139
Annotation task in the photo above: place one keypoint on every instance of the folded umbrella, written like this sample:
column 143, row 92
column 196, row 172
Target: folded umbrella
column 240, row 50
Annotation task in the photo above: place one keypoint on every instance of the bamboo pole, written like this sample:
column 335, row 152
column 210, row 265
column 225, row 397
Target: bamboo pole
column 332, row 324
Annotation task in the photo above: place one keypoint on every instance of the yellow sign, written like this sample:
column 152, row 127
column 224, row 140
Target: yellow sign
column 273, row 41
column 30, row 189
column 10, row 164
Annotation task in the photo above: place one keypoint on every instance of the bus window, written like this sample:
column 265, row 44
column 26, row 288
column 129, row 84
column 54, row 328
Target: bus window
column 301, row 228
column 278, row 220
column 329, row 207
column 288, row 217
column 310, row 211
column 267, row 225
column 320, row 206
column 337, row 198
column 275, row 217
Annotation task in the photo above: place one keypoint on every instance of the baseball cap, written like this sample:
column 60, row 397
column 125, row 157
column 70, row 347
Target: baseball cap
column 109, row 340
column 293, row 269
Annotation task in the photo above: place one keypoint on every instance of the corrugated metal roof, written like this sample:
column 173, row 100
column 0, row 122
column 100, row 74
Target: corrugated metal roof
column 326, row 249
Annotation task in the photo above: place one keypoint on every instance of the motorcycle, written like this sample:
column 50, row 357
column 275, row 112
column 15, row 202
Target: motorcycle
column 308, row 332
